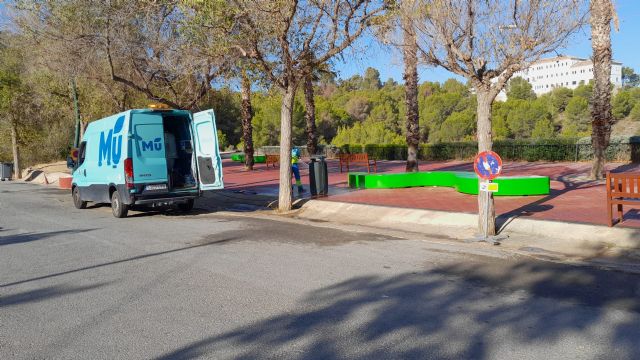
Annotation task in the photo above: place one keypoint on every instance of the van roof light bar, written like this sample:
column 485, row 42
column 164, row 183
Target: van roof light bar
column 159, row 106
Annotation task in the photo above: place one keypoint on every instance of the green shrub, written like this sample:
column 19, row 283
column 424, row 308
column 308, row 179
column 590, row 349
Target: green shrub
column 554, row 149
column 621, row 148
column 222, row 141
column 622, row 105
column 635, row 113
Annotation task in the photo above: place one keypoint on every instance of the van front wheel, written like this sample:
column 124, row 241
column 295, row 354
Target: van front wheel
column 77, row 201
column 119, row 209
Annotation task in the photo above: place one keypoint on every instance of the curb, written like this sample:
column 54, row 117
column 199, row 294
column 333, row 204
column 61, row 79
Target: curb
column 550, row 235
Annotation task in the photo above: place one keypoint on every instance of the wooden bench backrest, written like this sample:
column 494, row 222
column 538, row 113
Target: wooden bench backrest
column 273, row 160
column 359, row 157
column 623, row 185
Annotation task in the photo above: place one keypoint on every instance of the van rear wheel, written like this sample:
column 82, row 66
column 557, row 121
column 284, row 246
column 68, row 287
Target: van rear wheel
column 186, row 206
column 118, row 209
column 77, row 201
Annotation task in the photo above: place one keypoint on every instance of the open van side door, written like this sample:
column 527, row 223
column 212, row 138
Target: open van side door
column 206, row 150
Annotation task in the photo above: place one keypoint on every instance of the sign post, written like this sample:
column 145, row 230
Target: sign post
column 488, row 166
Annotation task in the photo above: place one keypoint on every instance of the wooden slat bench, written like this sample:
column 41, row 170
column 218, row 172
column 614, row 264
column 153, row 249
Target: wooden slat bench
column 622, row 189
column 273, row 160
column 358, row 159
column 344, row 161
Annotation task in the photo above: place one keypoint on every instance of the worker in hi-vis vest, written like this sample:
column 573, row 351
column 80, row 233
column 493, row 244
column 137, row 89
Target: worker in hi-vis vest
column 295, row 157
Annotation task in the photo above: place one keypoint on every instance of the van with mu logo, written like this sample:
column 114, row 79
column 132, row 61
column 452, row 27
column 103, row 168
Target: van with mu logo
column 155, row 157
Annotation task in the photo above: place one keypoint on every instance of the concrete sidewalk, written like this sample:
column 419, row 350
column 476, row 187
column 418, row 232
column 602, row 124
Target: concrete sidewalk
column 594, row 245
column 570, row 221
column 583, row 241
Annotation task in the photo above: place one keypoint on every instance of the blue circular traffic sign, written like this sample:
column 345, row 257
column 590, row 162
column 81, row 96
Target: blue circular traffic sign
column 487, row 165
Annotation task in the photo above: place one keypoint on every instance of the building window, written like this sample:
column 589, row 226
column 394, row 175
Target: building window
column 573, row 83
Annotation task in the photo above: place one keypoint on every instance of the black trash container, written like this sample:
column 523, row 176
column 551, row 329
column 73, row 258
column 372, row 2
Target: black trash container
column 318, row 176
column 5, row 171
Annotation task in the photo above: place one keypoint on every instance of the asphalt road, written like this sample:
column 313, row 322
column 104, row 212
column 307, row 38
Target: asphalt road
column 81, row 284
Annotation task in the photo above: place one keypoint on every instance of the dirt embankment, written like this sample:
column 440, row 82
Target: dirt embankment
column 626, row 127
column 46, row 173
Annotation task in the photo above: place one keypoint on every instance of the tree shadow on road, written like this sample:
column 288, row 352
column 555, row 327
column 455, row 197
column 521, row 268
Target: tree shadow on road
column 217, row 240
column 457, row 312
column 45, row 293
column 32, row 236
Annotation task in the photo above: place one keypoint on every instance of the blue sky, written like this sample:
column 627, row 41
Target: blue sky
column 626, row 49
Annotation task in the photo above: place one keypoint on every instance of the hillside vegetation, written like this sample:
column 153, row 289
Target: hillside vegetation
column 357, row 110
column 362, row 110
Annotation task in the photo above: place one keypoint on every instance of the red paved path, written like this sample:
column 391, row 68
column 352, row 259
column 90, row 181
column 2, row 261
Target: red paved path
column 573, row 198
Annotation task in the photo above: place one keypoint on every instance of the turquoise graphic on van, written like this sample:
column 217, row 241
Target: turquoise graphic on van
column 151, row 145
column 111, row 146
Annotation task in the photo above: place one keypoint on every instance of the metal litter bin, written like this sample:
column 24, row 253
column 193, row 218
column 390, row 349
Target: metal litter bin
column 5, row 171
column 318, row 176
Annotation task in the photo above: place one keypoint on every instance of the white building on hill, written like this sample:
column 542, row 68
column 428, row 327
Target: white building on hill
column 562, row 71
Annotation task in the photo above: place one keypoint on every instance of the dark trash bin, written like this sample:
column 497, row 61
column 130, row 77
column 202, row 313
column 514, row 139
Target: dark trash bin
column 318, row 176
column 5, row 171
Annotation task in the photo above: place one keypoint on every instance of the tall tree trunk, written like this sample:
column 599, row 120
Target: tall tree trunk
column 83, row 128
column 485, row 142
column 601, row 119
column 16, row 150
column 310, row 115
column 410, row 55
column 247, row 127
column 286, row 116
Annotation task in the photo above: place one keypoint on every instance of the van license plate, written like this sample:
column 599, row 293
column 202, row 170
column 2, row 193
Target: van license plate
column 155, row 187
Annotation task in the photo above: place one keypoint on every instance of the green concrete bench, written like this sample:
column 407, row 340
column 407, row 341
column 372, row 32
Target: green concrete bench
column 257, row 159
column 463, row 181
column 356, row 180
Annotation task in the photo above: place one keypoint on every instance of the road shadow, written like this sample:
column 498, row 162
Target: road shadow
column 33, row 236
column 215, row 201
column 214, row 240
column 452, row 312
column 46, row 293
